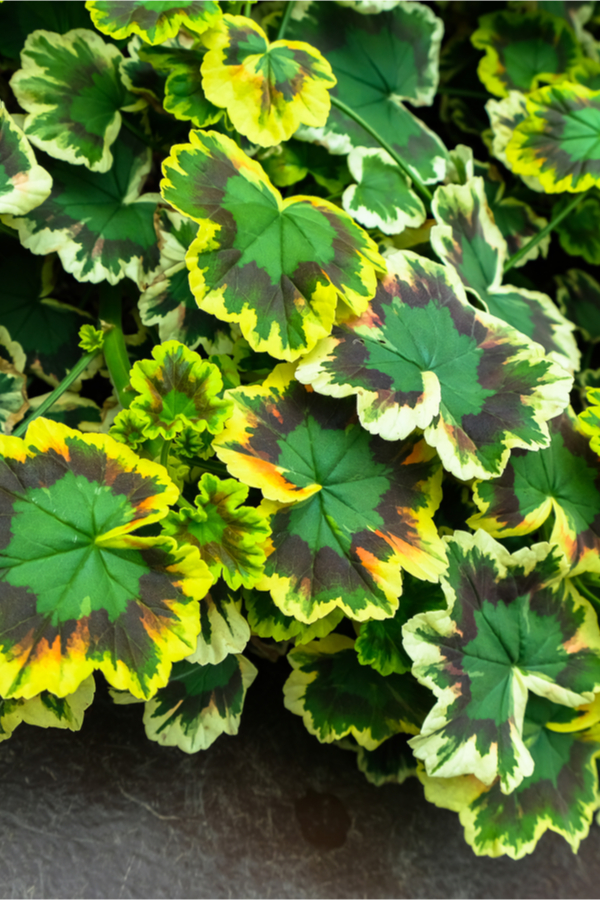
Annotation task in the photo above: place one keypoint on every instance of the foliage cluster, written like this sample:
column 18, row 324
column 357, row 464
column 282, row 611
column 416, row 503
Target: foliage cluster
column 287, row 370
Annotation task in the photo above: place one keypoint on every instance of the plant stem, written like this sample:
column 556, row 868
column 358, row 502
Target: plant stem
column 181, row 501
column 58, row 391
column 164, row 454
column 115, row 351
column 418, row 184
column 514, row 259
column 247, row 8
column 284, row 21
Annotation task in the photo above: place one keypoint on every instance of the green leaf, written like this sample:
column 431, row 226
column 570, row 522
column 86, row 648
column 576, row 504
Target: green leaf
column 199, row 704
column 383, row 197
column 176, row 390
column 268, row 89
column 13, row 396
column 378, row 63
column 379, row 644
column 229, row 536
column 223, row 628
column 336, row 696
column 184, row 95
column 71, row 409
column 511, row 627
column 291, row 162
column 522, row 49
column 23, row 184
column 563, row 479
column 18, row 21
column 578, row 232
column 589, row 419
column 46, row 710
column 168, row 302
column 560, row 795
column 422, row 357
column 504, row 117
column 79, row 592
column 390, row 763
column 154, row 20
column 367, row 509
column 467, row 238
column 267, row 621
column 100, row 225
column 579, row 299
column 282, row 277
column 559, row 140
column 71, row 87
column 46, row 330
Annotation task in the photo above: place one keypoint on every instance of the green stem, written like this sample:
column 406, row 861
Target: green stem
column 585, row 592
column 164, row 454
column 58, row 391
column 181, row 501
column 247, row 8
column 115, row 351
column 284, row 21
column 11, row 232
column 463, row 92
column 514, row 259
column 417, row 183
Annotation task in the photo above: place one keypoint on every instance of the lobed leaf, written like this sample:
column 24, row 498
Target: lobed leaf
column 46, row 710
column 390, row 763
column 71, row 88
column 268, row 89
column 422, row 357
column 199, row 703
column 367, row 507
column 511, row 627
column 336, row 696
column 267, row 621
column 23, row 183
column 154, row 20
column 223, row 628
column 275, row 266
column 79, row 591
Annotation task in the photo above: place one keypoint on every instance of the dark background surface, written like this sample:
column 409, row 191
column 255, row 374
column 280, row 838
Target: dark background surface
column 107, row 813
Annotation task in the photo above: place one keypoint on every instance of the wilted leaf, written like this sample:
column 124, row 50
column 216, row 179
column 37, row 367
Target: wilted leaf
column 337, row 696
column 199, row 703
column 368, row 504
column 268, row 89
column 422, row 357
column 78, row 591
column 100, row 225
column 155, row 22
column 275, row 266
column 511, row 627
column 563, row 479
column 71, row 87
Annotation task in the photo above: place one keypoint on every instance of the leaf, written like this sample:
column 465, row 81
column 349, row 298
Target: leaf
column 390, row 763
column 578, row 232
column 17, row 22
column 400, row 359
column 282, row 277
column 556, row 142
column 100, row 225
column 336, row 696
column 511, row 627
column 176, row 390
column 268, row 89
column 561, row 794
column 467, row 238
column 368, row 504
column 522, row 49
column 71, row 409
column 71, row 88
column 563, row 479
column 155, row 22
column 168, row 302
column 79, row 592
column 504, row 117
column 199, row 704
column 23, row 184
column 378, row 63
column 589, row 419
column 518, row 223
column 383, row 197
column 184, row 95
column 46, row 330
column 379, row 644
column 291, row 162
column 579, row 299
column 46, row 710
column 223, row 629
column 229, row 536
column 267, row 621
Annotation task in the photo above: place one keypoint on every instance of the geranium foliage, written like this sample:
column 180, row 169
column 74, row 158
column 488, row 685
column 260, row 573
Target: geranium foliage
column 313, row 384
